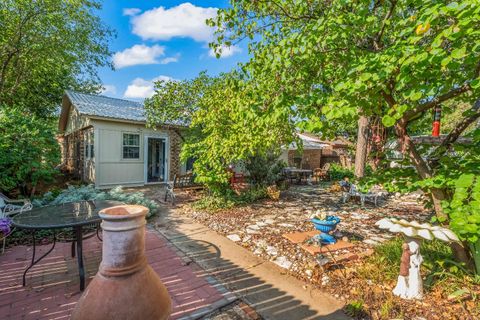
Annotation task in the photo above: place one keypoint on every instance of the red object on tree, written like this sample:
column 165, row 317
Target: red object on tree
column 235, row 178
column 436, row 121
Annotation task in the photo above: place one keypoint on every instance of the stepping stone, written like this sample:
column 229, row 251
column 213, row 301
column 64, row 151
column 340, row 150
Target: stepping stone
column 299, row 237
column 272, row 251
column 286, row 225
column 283, row 262
column 234, row 237
column 340, row 244
column 371, row 242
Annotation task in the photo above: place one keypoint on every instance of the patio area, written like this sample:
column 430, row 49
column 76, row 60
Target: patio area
column 52, row 287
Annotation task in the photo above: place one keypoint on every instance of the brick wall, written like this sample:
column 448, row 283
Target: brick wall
column 309, row 159
column 175, row 148
column 74, row 153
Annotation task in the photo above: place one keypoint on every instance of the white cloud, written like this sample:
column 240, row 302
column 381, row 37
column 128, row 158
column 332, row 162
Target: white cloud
column 138, row 54
column 225, row 51
column 168, row 60
column 131, row 11
column 140, row 88
column 109, row 89
column 184, row 20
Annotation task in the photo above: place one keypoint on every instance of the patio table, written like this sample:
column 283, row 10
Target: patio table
column 300, row 173
column 74, row 215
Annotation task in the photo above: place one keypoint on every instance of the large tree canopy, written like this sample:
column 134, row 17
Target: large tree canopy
column 335, row 60
column 227, row 123
column 322, row 64
column 47, row 46
column 395, row 60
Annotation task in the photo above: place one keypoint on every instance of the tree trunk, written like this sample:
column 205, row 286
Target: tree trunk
column 409, row 149
column 361, row 150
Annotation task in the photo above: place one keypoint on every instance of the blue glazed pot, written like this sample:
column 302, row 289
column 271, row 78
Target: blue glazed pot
column 327, row 225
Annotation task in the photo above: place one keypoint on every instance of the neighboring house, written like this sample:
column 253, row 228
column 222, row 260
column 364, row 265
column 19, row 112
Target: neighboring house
column 105, row 141
column 315, row 153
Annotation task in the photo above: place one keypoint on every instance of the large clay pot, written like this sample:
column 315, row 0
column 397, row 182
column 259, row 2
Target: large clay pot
column 125, row 287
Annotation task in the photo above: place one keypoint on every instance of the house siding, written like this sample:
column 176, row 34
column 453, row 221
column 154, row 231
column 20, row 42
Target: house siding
column 110, row 167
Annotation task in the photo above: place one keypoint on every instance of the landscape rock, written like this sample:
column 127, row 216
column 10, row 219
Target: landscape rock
column 234, row 237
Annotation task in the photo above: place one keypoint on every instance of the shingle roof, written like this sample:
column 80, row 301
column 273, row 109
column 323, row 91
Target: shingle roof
column 106, row 107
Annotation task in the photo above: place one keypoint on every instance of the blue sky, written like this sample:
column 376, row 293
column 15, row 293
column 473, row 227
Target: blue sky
column 161, row 40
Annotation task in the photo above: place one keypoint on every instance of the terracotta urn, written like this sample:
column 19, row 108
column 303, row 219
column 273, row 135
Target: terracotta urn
column 125, row 287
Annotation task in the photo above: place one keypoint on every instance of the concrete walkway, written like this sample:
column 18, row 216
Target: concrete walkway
column 263, row 285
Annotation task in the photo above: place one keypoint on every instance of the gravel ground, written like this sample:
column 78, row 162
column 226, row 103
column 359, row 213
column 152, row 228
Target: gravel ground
column 260, row 226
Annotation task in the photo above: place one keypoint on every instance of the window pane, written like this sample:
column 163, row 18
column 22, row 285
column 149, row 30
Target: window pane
column 131, row 139
column 131, row 152
column 135, row 140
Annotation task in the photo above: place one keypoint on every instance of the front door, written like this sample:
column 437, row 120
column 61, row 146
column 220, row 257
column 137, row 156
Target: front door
column 156, row 160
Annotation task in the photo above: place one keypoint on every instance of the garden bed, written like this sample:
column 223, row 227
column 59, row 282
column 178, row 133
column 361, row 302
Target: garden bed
column 261, row 227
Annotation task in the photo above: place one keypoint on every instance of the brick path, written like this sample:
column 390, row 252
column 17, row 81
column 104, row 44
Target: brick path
column 53, row 286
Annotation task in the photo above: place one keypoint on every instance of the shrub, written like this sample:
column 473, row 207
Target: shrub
column 337, row 172
column 264, row 169
column 74, row 194
column 230, row 199
column 29, row 151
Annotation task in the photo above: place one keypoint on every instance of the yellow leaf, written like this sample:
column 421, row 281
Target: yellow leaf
column 422, row 28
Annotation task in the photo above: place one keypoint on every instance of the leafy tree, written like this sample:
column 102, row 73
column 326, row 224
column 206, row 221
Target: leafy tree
column 226, row 123
column 338, row 60
column 47, row 46
column 29, row 151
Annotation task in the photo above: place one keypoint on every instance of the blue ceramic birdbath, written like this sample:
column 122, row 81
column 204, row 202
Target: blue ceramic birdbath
column 325, row 226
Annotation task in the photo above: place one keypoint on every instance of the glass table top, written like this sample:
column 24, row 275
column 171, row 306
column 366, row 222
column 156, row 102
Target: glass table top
column 63, row 215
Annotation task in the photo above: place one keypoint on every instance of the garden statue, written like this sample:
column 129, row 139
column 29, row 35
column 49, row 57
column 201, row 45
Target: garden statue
column 409, row 284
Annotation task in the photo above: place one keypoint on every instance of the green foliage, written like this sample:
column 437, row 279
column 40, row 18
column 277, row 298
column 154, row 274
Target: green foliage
column 464, row 212
column 356, row 309
column 48, row 46
column 29, row 151
column 336, row 60
column 264, row 170
column 227, row 123
column 74, row 194
column 337, row 172
column 229, row 199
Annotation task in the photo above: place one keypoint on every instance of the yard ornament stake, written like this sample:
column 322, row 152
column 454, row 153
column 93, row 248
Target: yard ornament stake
column 409, row 284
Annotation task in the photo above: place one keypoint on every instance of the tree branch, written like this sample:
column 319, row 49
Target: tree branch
column 437, row 100
column 379, row 36
column 455, row 133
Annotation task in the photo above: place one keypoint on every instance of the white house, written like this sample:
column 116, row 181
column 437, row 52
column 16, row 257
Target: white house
column 105, row 141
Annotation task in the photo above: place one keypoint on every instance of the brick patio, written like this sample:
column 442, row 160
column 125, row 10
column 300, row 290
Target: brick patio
column 52, row 288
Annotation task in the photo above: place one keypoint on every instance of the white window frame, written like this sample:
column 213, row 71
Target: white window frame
column 89, row 144
column 134, row 146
